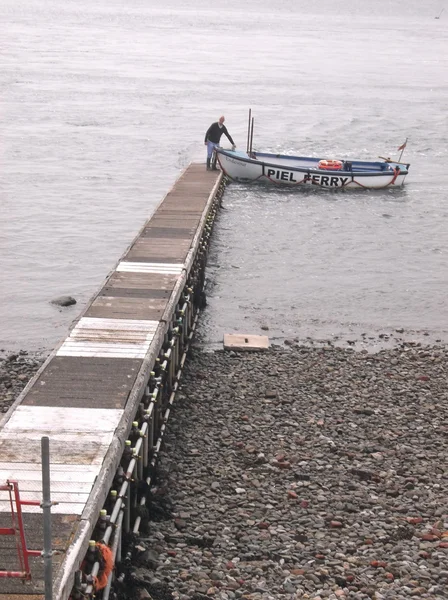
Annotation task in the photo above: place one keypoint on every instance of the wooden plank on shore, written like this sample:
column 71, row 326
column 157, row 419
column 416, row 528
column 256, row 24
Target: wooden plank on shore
column 245, row 342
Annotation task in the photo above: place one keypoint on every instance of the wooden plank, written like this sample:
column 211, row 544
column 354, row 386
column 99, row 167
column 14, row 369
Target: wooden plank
column 169, row 220
column 134, row 337
column 35, row 485
column 65, row 497
column 126, row 308
column 97, row 368
column 60, row 481
column 61, row 420
column 87, row 349
column 141, row 251
column 110, row 338
column 171, row 233
column 81, row 382
column 58, row 471
column 140, row 280
column 134, row 293
column 179, row 212
column 80, row 398
column 61, row 453
column 103, row 438
column 141, row 325
column 148, row 242
column 63, row 508
column 79, row 436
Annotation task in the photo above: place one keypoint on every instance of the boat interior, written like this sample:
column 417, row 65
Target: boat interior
column 301, row 162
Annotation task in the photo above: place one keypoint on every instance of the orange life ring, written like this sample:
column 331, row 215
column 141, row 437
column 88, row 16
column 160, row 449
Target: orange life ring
column 330, row 165
column 106, row 566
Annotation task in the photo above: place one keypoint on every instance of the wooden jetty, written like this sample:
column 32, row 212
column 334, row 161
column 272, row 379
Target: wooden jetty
column 119, row 365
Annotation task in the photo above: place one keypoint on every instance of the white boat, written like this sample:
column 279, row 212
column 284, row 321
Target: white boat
column 306, row 171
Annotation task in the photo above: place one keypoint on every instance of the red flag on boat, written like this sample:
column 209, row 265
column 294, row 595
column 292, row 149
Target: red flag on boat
column 403, row 146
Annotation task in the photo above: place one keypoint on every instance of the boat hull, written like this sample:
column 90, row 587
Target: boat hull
column 287, row 172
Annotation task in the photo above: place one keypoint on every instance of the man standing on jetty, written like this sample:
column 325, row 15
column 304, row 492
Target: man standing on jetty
column 212, row 137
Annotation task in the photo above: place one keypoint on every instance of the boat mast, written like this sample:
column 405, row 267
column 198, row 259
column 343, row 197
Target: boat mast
column 248, row 132
column 251, row 137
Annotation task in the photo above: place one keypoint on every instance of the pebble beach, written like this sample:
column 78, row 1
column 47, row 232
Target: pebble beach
column 16, row 369
column 300, row 473
column 303, row 473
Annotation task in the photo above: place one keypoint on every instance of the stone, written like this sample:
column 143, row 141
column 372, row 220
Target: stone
column 63, row 301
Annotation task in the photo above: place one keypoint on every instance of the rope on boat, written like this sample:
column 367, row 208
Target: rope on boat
column 397, row 172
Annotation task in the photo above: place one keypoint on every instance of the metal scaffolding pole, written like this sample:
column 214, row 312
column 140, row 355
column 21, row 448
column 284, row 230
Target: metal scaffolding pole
column 46, row 507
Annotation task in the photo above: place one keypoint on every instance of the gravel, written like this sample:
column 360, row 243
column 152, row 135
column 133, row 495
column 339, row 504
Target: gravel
column 15, row 371
column 305, row 473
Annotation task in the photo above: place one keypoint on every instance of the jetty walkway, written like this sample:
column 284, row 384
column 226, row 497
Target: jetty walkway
column 103, row 398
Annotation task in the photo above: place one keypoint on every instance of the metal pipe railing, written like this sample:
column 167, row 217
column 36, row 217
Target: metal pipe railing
column 143, row 500
column 115, row 545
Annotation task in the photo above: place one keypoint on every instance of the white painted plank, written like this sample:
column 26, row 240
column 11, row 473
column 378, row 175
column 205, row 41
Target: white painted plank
column 142, row 267
column 104, row 438
column 61, row 453
column 35, row 477
column 100, row 353
column 26, row 485
column 60, row 470
column 64, row 508
column 70, row 497
column 111, row 345
column 130, row 337
column 109, row 338
column 118, row 324
column 63, row 420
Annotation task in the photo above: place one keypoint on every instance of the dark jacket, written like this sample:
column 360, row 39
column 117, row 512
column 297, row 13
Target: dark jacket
column 214, row 133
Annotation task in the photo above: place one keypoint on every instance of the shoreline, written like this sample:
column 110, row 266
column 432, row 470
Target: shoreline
column 18, row 366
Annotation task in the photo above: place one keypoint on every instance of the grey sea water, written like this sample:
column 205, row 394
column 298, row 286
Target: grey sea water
column 103, row 104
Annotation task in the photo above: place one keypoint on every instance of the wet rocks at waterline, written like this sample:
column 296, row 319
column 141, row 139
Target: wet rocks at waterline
column 305, row 473
column 15, row 371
